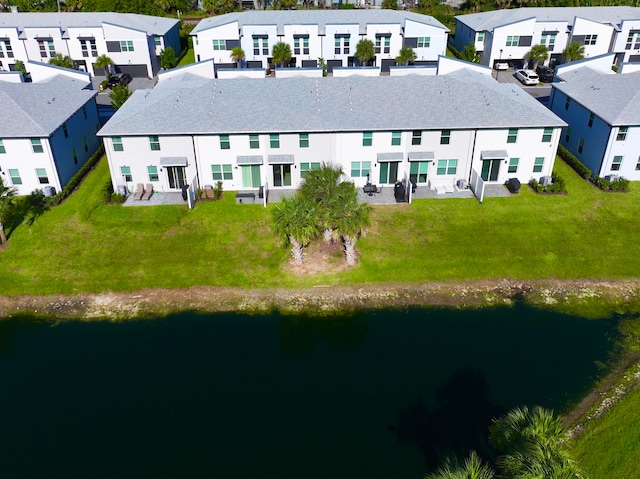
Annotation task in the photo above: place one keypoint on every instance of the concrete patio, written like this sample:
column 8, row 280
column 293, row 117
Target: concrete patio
column 158, row 198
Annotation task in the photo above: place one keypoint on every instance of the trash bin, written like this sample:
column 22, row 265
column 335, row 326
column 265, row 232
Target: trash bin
column 514, row 185
column 398, row 192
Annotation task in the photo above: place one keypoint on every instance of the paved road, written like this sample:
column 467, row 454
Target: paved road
column 540, row 92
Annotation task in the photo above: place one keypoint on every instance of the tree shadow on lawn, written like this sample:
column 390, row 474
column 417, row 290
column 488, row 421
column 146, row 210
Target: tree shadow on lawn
column 27, row 210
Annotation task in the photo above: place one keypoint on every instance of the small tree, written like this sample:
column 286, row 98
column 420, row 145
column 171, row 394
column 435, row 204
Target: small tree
column 7, row 197
column 237, row 55
column 390, row 4
column 119, row 94
column 168, row 58
column 61, row 60
column 473, row 468
column 470, row 54
column 406, row 56
column 103, row 61
column 365, row 51
column 323, row 64
column 295, row 223
column 281, row 53
column 320, row 188
column 537, row 54
column 574, row 51
column 350, row 217
column 20, row 67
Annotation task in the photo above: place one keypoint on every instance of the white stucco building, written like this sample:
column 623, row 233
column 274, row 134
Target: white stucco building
column 132, row 41
column 510, row 34
column 249, row 133
column 312, row 34
column 48, row 130
column 602, row 110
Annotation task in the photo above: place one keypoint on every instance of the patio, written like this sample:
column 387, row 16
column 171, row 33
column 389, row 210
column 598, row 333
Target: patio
column 158, row 198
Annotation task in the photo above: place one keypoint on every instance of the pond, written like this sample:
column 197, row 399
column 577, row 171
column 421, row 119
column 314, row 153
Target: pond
column 381, row 394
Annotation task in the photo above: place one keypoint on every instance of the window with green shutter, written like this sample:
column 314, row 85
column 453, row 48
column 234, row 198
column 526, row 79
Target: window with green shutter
column 36, row 145
column 396, row 138
column 15, row 177
column 546, row 135
column 367, row 138
column 307, row 167
column 225, row 143
column 254, row 141
column 512, row 136
column 617, row 162
column 447, row 167
column 116, row 141
column 304, row 140
column 513, row 165
column 274, row 140
column 125, row 171
column 538, row 164
column 221, row 172
column 43, row 178
column 153, row 173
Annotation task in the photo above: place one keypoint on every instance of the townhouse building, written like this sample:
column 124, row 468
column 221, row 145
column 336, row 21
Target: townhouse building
column 510, row 34
column 248, row 133
column 602, row 110
column 132, row 41
column 48, row 132
column 312, row 34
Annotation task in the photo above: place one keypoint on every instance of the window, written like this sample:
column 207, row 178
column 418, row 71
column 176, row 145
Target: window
column 42, row 176
column 445, row 137
column 126, row 45
column 513, row 165
column 383, row 43
column 88, row 46
column 116, row 141
column 633, row 41
column 64, row 130
column 416, row 137
column 47, row 48
column 567, row 135
column 617, row 161
column 307, row 167
column 581, row 145
column 301, row 45
column 5, row 49
column 15, row 177
column 367, row 138
column 74, row 155
column 2, row 148
column 85, row 144
column 418, row 171
column 546, row 135
column 512, row 40
column 591, row 117
column 548, row 40
column 360, row 169
column 424, row 42
column 342, row 44
column 257, row 43
column 480, row 37
column 154, row 143
column 447, row 167
column 219, row 44
column 512, row 136
column 225, row 143
column 157, row 41
column 396, row 138
column 152, row 171
column 538, row 164
column 36, row 145
column 274, row 140
column 567, row 103
column 304, row 140
column 622, row 133
column 254, row 141
column 221, row 172
column 125, row 171
column 590, row 39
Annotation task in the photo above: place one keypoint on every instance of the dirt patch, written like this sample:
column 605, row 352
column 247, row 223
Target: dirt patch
column 319, row 257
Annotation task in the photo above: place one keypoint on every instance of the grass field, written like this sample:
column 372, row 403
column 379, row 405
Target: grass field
column 187, row 59
column 85, row 246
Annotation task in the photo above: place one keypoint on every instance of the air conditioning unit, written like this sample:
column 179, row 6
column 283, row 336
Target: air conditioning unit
column 462, row 184
column 612, row 177
column 545, row 180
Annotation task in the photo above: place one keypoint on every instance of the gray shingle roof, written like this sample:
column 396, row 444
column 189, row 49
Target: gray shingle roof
column 316, row 17
column 38, row 109
column 487, row 21
column 614, row 98
column 150, row 25
column 460, row 100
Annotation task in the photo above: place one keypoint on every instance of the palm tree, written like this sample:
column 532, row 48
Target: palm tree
column 365, row 51
column 61, row 60
column 119, row 94
column 103, row 61
column 406, row 56
column 574, row 51
column 320, row 187
column 237, row 55
column 281, row 53
column 7, row 196
column 473, row 468
column 295, row 223
column 537, row 54
column 350, row 217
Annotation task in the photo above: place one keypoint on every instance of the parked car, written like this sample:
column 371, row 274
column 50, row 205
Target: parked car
column 119, row 79
column 501, row 65
column 528, row 77
column 545, row 74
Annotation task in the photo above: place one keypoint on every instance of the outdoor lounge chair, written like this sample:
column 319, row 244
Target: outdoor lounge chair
column 147, row 192
column 139, row 192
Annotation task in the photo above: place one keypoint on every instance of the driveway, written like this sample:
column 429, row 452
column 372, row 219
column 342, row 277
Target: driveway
column 540, row 92
column 136, row 84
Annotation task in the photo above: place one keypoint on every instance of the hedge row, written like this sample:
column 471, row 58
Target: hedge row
column 76, row 179
column 574, row 162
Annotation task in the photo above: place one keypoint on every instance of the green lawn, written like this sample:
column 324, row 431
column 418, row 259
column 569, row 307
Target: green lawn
column 85, row 246
column 610, row 446
column 187, row 59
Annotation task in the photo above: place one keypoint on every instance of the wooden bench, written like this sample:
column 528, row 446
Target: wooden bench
column 243, row 198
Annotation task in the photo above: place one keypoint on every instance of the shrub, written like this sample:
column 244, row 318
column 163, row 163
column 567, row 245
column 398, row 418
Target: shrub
column 620, row 184
column 574, row 162
column 117, row 198
column 557, row 186
column 107, row 191
column 217, row 191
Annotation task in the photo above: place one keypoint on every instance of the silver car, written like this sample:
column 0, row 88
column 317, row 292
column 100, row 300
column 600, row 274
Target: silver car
column 528, row 77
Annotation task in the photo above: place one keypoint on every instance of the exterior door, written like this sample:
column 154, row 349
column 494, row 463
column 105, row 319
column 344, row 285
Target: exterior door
column 251, row 176
column 490, row 169
column 281, row 175
column 177, row 177
column 389, row 173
